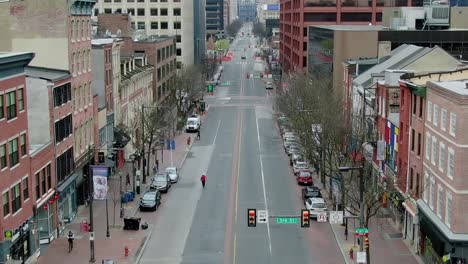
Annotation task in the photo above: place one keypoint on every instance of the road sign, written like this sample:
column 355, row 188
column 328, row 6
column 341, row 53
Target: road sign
column 262, row 216
column 321, row 217
column 170, row 144
column 336, row 217
column 361, row 257
column 287, row 220
column 362, row 231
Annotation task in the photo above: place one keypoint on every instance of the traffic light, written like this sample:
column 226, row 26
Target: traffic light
column 305, row 215
column 210, row 88
column 366, row 242
column 252, row 217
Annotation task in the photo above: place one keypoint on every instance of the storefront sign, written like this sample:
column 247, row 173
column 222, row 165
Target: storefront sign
column 8, row 234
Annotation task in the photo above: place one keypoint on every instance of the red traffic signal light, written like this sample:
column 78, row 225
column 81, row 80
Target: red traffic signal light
column 252, row 217
column 305, row 218
column 366, row 242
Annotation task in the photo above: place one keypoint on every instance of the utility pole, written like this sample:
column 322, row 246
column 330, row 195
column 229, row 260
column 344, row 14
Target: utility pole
column 143, row 142
column 91, row 220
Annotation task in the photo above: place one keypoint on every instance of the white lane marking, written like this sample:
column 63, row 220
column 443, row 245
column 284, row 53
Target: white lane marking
column 216, row 135
column 263, row 185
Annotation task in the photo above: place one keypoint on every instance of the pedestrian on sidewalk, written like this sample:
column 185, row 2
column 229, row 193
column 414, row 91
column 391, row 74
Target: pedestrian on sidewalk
column 203, row 180
column 128, row 179
column 157, row 165
column 71, row 237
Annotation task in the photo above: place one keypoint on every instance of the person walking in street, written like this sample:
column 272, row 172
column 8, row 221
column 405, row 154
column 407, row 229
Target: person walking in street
column 203, row 180
column 128, row 179
column 71, row 237
column 198, row 134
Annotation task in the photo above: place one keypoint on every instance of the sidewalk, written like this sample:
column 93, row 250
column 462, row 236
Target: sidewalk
column 111, row 248
column 385, row 242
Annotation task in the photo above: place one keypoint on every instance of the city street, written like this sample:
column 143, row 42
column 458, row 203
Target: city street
column 241, row 152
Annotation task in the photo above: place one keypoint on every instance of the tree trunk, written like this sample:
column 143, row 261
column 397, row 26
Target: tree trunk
column 150, row 143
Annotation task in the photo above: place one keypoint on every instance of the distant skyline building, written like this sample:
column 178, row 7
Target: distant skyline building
column 248, row 11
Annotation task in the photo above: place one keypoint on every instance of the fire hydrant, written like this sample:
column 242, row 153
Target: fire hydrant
column 126, row 251
column 188, row 141
column 351, row 253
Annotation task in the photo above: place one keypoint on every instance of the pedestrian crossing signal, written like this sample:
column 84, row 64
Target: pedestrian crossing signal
column 366, row 242
column 210, row 88
column 252, row 217
column 305, row 215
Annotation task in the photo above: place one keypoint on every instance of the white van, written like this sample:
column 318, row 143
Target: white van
column 193, row 123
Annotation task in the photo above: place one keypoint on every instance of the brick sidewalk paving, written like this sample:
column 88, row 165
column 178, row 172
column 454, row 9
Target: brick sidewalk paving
column 111, row 248
column 383, row 247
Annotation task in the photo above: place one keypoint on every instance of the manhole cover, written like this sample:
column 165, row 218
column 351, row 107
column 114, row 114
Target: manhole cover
column 395, row 236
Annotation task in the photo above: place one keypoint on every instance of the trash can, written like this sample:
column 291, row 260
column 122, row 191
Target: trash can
column 132, row 223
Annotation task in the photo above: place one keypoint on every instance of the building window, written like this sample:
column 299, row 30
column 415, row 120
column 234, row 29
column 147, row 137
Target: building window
column 38, row 188
column 426, row 187
column 6, row 203
column 2, row 111
column 443, row 118
column 177, row 12
column 3, row 157
column 179, row 52
column 442, row 155
column 164, row 25
column 163, row 11
column 429, row 111
column 434, row 150
column 141, row 12
column 11, row 105
column 13, row 149
column 107, row 11
column 49, row 177
column 16, row 198
column 154, row 11
column 453, row 123
column 20, row 99
column 448, row 209
column 154, row 25
column 413, row 139
column 102, row 136
column 63, row 128
column 131, row 11
column 62, row 94
column 418, row 177
column 178, row 38
column 451, row 163
column 428, row 145
column 64, row 165
column 440, row 194
column 435, row 121
column 43, row 181
column 177, row 25
column 432, row 194
column 419, row 144
column 415, row 100
column 23, row 145
column 421, row 106
column 141, row 25
column 25, row 189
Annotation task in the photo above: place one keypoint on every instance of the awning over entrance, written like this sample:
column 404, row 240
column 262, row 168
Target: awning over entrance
column 410, row 207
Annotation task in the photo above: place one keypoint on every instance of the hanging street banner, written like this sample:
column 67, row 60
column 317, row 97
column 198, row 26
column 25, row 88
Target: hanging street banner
column 100, row 174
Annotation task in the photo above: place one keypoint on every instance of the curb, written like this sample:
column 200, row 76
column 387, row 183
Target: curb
column 343, row 253
column 185, row 157
column 142, row 247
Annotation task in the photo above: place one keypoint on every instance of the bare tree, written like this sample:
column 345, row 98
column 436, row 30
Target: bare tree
column 233, row 28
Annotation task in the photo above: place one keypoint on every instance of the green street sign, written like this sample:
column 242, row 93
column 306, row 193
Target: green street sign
column 210, row 88
column 362, row 231
column 287, row 220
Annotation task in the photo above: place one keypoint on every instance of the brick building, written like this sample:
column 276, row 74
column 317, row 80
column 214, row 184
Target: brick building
column 16, row 223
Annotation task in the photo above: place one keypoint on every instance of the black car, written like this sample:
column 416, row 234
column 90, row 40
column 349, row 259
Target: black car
column 311, row 192
column 150, row 200
column 161, row 182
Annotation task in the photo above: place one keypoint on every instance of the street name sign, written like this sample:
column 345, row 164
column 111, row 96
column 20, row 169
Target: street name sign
column 321, row 217
column 287, row 220
column 362, row 231
column 336, row 217
column 262, row 216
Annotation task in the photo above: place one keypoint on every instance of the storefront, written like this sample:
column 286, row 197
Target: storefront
column 18, row 245
column 67, row 206
column 45, row 218
column 410, row 224
column 395, row 206
column 437, row 240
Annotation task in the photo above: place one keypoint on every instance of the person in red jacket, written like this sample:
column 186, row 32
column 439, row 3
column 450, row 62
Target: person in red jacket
column 203, row 180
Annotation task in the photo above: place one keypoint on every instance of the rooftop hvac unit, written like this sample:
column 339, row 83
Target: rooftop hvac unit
column 438, row 15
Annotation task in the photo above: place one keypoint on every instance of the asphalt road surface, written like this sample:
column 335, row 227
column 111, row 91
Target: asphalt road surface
column 241, row 153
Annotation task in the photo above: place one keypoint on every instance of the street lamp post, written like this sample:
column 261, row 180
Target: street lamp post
column 91, row 218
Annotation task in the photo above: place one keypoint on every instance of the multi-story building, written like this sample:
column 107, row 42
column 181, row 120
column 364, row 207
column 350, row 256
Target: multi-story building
column 16, row 223
column 164, row 18
column 296, row 16
column 233, row 10
column 136, row 89
column 442, row 211
column 226, row 12
column 61, row 41
column 51, row 131
column 214, row 17
column 247, row 10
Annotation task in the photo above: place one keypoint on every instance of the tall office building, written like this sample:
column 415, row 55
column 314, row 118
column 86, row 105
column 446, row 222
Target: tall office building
column 173, row 18
column 233, row 10
column 214, row 17
column 247, row 10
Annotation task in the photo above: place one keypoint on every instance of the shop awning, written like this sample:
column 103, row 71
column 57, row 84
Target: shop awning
column 410, row 207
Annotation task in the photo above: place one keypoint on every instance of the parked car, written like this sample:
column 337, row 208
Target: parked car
column 315, row 206
column 287, row 134
column 293, row 149
column 193, row 123
column 295, row 158
column 311, row 192
column 304, row 178
column 173, row 174
column 269, row 85
column 150, row 200
column 300, row 166
column 289, row 141
column 161, row 182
